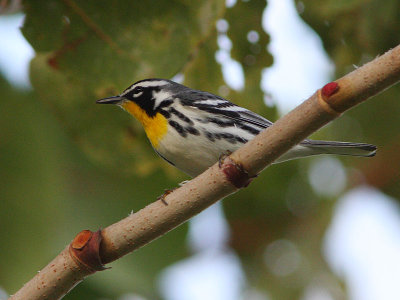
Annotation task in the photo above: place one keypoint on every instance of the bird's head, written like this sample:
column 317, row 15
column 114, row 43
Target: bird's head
column 145, row 94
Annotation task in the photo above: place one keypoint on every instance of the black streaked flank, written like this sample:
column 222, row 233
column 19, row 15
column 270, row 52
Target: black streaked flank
column 165, row 103
column 249, row 129
column 220, row 122
column 209, row 135
column 229, row 137
column 178, row 128
column 165, row 113
column 180, row 115
column 192, row 130
column 233, row 138
column 241, row 140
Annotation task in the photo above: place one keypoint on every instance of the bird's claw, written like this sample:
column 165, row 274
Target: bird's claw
column 166, row 193
column 222, row 157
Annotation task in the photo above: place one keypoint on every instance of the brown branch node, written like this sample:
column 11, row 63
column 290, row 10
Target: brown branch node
column 85, row 250
column 235, row 172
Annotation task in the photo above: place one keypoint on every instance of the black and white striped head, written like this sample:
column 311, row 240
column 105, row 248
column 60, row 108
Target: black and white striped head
column 148, row 94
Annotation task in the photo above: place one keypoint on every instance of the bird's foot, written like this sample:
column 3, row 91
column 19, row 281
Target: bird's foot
column 222, row 157
column 169, row 191
column 166, row 193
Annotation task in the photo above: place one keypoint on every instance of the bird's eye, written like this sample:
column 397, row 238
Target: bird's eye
column 138, row 90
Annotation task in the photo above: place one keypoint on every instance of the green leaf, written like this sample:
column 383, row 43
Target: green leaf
column 93, row 49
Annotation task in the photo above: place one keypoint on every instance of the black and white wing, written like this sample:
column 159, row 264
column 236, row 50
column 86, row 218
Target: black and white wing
column 222, row 112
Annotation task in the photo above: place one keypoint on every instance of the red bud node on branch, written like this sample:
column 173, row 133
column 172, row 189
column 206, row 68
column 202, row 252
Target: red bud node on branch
column 85, row 250
column 329, row 89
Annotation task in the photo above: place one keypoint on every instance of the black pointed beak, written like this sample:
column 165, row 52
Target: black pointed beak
column 110, row 100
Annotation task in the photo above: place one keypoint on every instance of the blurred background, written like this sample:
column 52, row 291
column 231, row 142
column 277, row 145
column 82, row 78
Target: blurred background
column 321, row 228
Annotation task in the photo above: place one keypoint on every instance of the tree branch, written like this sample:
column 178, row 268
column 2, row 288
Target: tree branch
column 66, row 270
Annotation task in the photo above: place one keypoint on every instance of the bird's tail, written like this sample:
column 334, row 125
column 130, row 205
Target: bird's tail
column 340, row 148
column 313, row 147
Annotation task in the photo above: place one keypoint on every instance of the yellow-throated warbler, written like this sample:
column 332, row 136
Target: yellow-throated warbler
column 191, row 129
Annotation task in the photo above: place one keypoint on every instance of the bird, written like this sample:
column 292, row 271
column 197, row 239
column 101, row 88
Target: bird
column 193, row 129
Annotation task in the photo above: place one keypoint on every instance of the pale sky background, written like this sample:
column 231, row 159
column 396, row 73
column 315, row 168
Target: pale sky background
column 15, row 51
column 362, row 245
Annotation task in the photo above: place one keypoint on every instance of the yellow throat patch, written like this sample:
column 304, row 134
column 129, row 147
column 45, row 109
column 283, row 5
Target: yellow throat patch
column 155, row 127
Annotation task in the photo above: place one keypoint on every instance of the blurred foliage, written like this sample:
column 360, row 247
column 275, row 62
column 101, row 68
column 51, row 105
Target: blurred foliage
column 67, row 164
column 96, row 49
column 353, row 33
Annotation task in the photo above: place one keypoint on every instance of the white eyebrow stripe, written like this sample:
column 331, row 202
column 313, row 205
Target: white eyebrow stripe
column 145, row 84
column 151, row 83
column 128, row 90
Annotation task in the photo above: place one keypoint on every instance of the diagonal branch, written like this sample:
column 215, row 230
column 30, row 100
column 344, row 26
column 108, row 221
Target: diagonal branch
column 68, row 269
